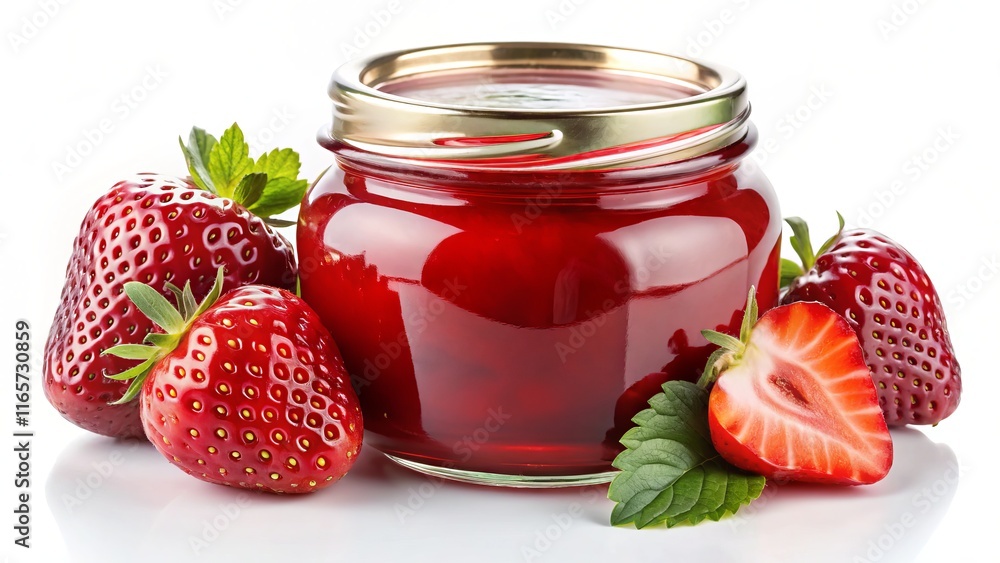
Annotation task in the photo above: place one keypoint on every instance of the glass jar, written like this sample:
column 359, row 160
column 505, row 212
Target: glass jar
column 520, row 242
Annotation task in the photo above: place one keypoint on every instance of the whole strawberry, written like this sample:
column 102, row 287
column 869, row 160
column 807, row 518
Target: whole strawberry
column 246, row 390
column 890, row 302
column 157, row 229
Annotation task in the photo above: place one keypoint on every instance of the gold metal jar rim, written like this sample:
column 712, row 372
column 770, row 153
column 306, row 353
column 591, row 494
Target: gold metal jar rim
column 369, row 119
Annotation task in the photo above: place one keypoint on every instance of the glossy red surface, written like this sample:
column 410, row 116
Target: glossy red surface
column 514, row 322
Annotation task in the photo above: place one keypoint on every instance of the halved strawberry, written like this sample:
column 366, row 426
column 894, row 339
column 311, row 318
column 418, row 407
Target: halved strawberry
column 794, row 399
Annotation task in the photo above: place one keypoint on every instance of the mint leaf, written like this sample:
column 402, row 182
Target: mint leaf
column 279, row 194
column 250, row 188
column 670, row 472
column 279, row 163
column 677, row 414
column 229, row 161
column 201, row 143
column 196, row 155
column 283, row 190
column 266, row 187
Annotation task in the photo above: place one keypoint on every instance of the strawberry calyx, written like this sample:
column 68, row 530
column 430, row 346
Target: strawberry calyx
column 175, row 322
column 802, row 245
column 266, row 186
column 731, row 349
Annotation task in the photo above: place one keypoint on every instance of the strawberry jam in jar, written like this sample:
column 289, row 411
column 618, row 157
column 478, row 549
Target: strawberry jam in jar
column 519, row 242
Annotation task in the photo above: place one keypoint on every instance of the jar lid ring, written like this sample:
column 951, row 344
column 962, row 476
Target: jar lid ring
column 373, row 115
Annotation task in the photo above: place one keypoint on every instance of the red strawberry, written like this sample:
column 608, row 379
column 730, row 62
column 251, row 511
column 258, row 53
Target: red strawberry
column 246, row 391
column 794, row 399
column 156, row 229
column 891, row 304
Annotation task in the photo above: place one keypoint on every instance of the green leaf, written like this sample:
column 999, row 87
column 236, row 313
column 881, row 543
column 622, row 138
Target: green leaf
column 250, row 188
column 280, row 194
column 213, row 294
column 188, row 301
column 800, row 241
column 670, row 416
column 279, row 163
column 275, row 222
column 201, row 143
column 749, row 315
column 284, row 190
column 737, row 490
column 803, row 247
column 174, row 321
column 131, row 392
column 225, row 167
column 710, row 374
column 229, row 161
column 135, row 371
column 155, row 306
column 670, row 472
column 789, row 271
column 178, row 298
column 719, row 339
column 836, row 236
column 196, row 154
column 131, row 351
column 162, row 341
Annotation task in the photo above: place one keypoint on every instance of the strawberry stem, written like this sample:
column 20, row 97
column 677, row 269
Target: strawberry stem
column 174, row 321
column 730, row 349
column 749, row 317
column 789, row 271
column 802, row 245
column 712, row 369
column 800, row 241
column 727, row 342
column 154, row 306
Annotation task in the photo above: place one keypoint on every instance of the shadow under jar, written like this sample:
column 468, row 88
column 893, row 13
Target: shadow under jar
column 519, row 242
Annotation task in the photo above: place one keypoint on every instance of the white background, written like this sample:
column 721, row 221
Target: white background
column 882, row 109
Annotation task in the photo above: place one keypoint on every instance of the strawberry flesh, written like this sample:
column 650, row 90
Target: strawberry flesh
column 800, row 403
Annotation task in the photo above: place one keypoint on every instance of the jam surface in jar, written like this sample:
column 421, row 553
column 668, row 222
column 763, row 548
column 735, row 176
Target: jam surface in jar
column 511, row 321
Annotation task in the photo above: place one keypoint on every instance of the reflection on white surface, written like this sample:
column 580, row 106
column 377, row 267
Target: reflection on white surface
column 117, row 501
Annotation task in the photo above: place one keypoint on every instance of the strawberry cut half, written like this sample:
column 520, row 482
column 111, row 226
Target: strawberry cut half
column 794, row 400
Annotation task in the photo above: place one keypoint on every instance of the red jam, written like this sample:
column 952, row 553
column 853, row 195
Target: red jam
column 511, row 321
